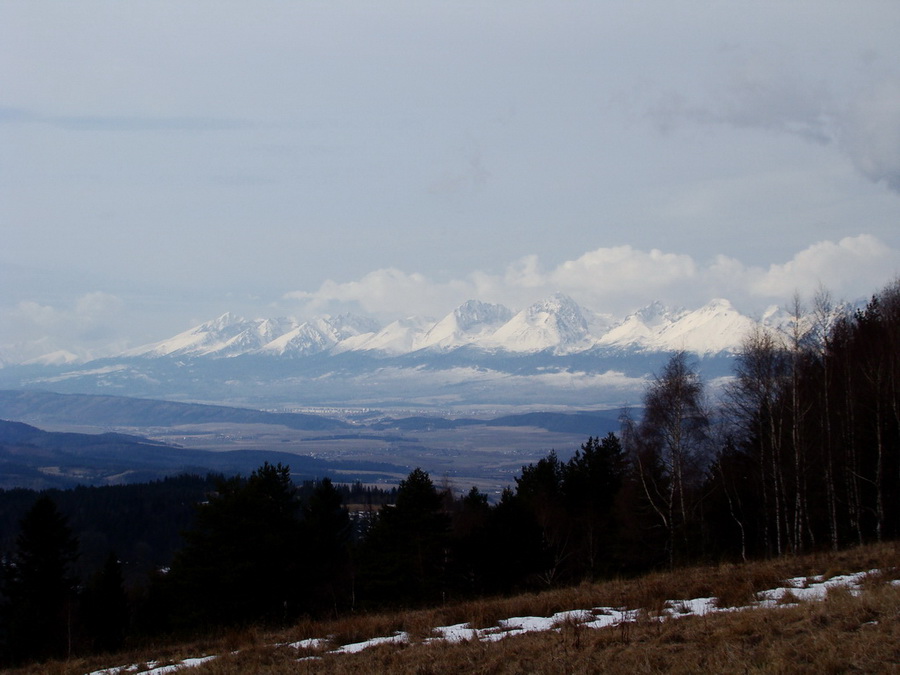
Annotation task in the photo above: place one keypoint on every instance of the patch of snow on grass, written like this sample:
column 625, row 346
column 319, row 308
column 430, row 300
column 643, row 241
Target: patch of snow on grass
column 154, row 668
column 396, row 638
column 798, row 589
column 311, row 643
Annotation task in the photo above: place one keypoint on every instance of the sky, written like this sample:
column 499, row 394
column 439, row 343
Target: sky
column 164, row 162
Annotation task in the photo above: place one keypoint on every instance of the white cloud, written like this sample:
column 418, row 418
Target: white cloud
column 614, row 270
column 852, row 267
column 622, row 278
column 615, row 279
column 385, row 292
column 89, row 326
column 91, row 306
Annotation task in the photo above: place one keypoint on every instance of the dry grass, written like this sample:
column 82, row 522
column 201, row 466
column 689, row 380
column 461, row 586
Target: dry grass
column 840, row 635
column 845, row 633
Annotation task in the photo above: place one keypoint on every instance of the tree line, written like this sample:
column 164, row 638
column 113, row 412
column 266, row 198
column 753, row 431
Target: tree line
column 801, row 452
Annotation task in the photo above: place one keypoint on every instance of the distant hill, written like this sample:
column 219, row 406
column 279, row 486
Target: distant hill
column 37, row 459
column 121, row 411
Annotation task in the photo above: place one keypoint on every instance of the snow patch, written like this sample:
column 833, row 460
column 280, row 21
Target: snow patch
column 798, row 589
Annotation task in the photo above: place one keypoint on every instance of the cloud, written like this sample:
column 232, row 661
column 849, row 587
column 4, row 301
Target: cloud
column 91, row 306
column 870, row 133
column 90, row 321
column 610, row 270
column 854, row 266
column 769, row 92
column 10, row 115
column 386, row 291
column 764, row 92
column 622, row 278
column 614, row 278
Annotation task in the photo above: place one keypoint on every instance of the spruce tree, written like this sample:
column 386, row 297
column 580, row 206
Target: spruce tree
column 39, row 587
column 243, row 560
column 105, row 607
column 405, row 555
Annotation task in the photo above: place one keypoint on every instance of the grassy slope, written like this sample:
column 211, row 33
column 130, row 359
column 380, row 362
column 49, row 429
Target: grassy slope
column 841, row 634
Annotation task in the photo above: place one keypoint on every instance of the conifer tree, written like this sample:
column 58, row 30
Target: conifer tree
column 592, row 480
column 105, row 607
column 38, row 611
column 326, row 531
column 405, row 555
column 243, row 559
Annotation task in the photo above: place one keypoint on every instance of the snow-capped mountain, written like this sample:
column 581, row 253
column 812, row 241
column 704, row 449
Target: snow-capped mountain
column 470, row 323
column 557, row 324
column 553, row 352
column 319, row 335
column 206, row 339
column 398, row 337
column 716, row 327
column 256, row 335
column 57, row 358
column 638, row 329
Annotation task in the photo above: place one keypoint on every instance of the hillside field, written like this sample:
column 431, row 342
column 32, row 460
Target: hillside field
column 842, row 631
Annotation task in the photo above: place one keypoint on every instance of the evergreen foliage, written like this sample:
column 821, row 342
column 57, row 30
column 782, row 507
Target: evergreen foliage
column 403, row 560
column 327, row 531
column 804, row 454
column 243, row 561
column 104, row 607
column 38, row 587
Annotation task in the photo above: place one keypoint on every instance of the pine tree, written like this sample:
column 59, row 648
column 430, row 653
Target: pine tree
column 244, row 558
column 105, row 607
column 39, row 587
column 404, row 558
column 326, row 531
column 592, row 480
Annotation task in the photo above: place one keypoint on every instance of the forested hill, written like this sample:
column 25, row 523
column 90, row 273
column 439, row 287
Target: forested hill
column 38, row 459
column 142, row 522
column 118, row 411
column 803, row 454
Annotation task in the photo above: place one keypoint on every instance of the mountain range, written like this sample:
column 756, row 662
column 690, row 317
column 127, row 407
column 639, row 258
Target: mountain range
column 557, row 324
column 552, row 352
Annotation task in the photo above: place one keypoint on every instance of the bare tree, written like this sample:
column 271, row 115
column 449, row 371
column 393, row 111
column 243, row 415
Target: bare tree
column 672, row 446
column 823, row 320
column 752, row 404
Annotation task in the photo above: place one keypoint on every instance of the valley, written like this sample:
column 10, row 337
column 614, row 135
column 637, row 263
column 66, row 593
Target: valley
column 484, row 449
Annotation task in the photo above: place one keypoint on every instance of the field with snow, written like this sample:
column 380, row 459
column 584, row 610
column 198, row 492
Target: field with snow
column 755, row 617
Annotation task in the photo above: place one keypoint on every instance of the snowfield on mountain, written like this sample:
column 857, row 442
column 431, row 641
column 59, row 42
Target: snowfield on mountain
column 557, row 324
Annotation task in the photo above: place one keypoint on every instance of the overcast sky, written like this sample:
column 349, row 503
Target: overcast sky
column 164, row 162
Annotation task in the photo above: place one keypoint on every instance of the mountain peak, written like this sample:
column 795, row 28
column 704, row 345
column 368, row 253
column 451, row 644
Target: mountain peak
column 226, row 320
column 475, row 312
column 554, row 323
column 469, row 323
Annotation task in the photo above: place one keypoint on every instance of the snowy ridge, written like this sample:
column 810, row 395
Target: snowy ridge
column 57, row 358
column 470, row 323
column 716, row 327
column 557, row 325
column 207, row 338
column 318, row 335
column 398, row 337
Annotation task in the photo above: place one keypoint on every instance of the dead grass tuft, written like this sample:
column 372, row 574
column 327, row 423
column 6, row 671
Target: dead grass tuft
column 846, row 632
